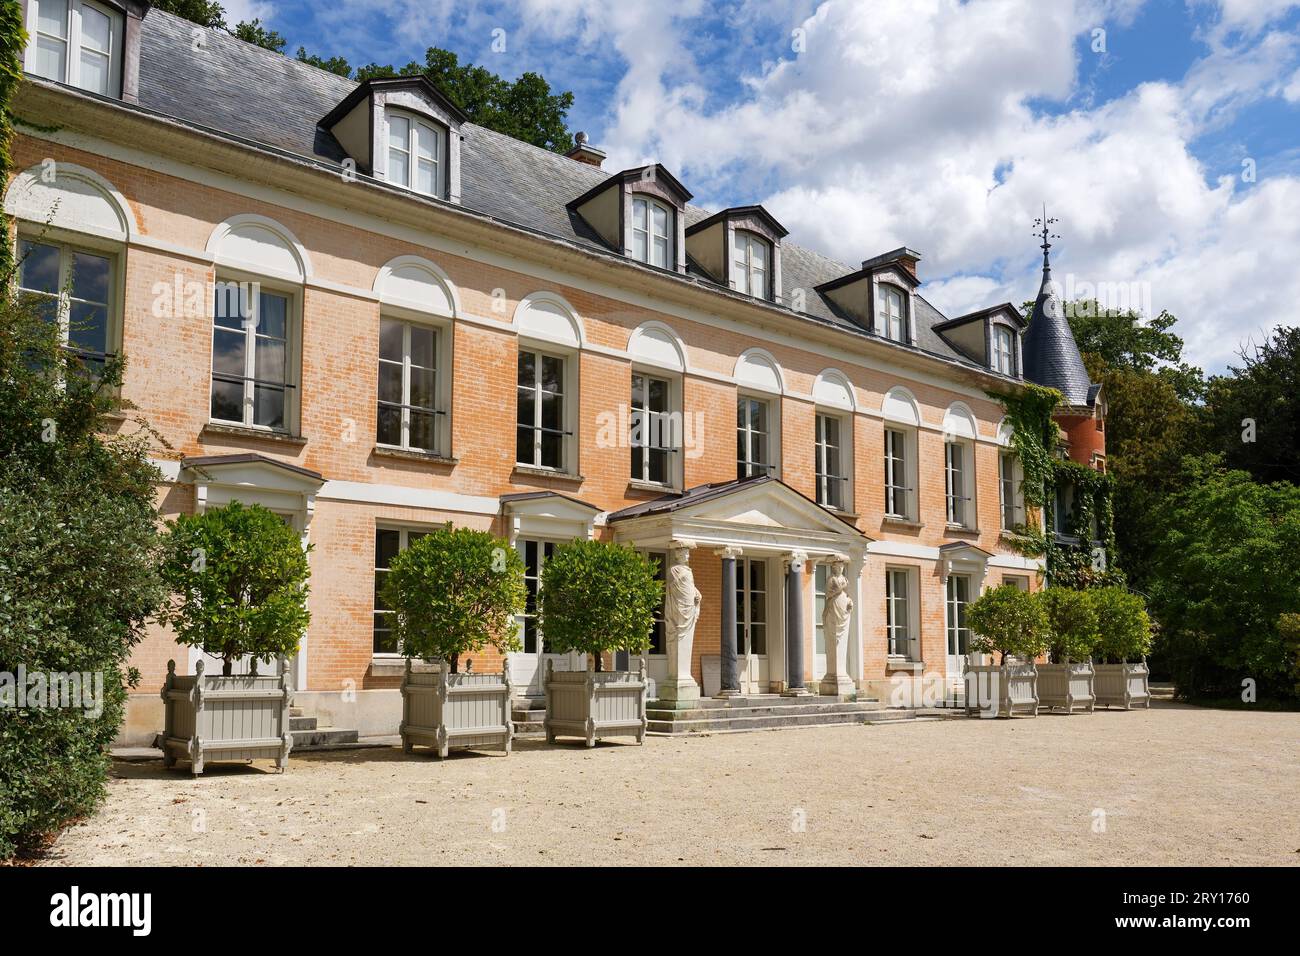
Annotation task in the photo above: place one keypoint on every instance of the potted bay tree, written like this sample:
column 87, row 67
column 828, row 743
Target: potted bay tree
column 1009, row 623
column 596, row 598
column 1067, row 681
column 454, row 592
column 238, row 576
column 1124, row 629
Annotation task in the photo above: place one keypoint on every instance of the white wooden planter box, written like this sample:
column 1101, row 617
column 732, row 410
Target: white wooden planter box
column 456, row 711
column 1123, row 685
column 1003, row 690
column 591, row 705
column 207, row 717
column 1067, row 685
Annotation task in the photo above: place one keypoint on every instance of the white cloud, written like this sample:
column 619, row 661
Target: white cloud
column 238, row 11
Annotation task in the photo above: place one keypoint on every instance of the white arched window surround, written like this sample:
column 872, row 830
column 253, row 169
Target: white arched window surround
column 78, row 42
column 415, row 151
column 759, row 387
column 833, row 439
column 417, row 301
column 959, row 434
column 261, row 261
column 550, row 332
column 902, row 421
column 660, row 435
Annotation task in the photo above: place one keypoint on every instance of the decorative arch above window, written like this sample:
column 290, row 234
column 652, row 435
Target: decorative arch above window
column 549, row 317
column 75, row 199
column 261, row 245
column 654, row 343
column 832, row 388
column 757, row 369
column 959, row 421
column 900, row 406
column 412, row 282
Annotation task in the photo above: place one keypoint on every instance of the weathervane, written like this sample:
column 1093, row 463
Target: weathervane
column 1043, row 229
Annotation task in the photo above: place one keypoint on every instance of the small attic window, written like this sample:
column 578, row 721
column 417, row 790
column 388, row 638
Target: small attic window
column 78, row 42
column 1004, row 350
column 651, row 232
column 416, row 148
column 750, row 266
column 893, row 314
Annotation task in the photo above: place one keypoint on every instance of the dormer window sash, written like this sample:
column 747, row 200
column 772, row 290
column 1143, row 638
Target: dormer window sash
column 893, row 314
column 751, row 264
column 415, row 149
column 1004, row 352
column 78, row 42
column 651, row 232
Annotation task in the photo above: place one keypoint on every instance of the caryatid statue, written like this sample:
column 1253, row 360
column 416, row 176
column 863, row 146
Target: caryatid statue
column 836, row 618
column 681, row 612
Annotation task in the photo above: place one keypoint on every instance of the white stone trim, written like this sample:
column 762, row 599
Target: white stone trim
column 251, row 221
column 20, row 203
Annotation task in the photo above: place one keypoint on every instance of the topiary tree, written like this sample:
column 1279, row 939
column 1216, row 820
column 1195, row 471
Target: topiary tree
column 239, row 576
column 598, row 596
column 1123, row 625
column 1072, row 619
column 1006, row 620
column 455, row 591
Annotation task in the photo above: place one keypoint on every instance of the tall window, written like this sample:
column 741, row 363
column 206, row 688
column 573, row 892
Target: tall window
column 78, row 42
column 388, row 542
column 651, row 222
column 1009, row 488
column 657, row 628
column 956, row 482
column 540, row 435
column 1003, row 350
column 415, row 150
column 897, row 504
column 407, row 385
column 753, row 441
column 536, row 554
column 898, row 621
column 750, row 269
column 83, row 315
column 820, row 573
column 831, row 474
column 958, row 598
column 893, row 315
column 651, row 426
column 250, row 356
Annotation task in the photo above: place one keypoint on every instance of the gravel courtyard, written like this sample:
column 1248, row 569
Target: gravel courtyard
column 1177, row 785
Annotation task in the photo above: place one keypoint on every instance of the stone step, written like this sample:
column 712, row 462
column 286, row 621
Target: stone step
column 812, row 718
column 298, row 722
column 322, row 737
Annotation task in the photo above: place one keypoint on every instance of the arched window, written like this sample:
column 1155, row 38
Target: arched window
column 893, row 314
column 1003, row 350
column 415, row 150
column 651, row 230
column 751, row 265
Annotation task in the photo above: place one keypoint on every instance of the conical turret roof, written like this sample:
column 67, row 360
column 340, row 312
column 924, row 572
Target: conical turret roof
column 1051, row 355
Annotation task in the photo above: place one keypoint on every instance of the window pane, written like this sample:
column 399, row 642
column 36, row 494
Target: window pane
column 527, row 370
column 399, row 133
column 422, row 430
column 389, row 426
column 228, row 352
column 88, row 327
column 272, row 313
column 552, row 411
column 390, row 382
column 96, row 29
column 660, row 221
column 399, row 170
column 52, row 17
column 387, row 543
column 552, row 451
column 268, row 406
column 658, row 395
column 390, row 340
column 421, row 346
column 228, row 400
column 639, row 214
column 269, row 360
column 94, row 72
column 424, row 177
column 40, row 268
column 661, row 253
column 524, row 445
column 552, row 374
column 51, row 58
column 426, row 142
column 421, row 387
column 230, row 306
column 659, row 466
column 89, row 277
column 639, row 246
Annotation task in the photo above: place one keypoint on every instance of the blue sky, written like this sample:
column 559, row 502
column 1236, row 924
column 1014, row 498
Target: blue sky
column 938, row 124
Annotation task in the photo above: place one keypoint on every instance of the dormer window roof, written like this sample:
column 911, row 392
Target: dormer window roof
column 77, row 42
column 989, row 337
column 403, row 130
column 880, row 296
column 640, row 212
column 740, row 247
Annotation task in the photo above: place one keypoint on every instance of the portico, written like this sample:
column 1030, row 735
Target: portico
column 739, row 599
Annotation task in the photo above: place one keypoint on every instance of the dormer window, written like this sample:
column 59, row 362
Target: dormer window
column 750, row 266
column 1003, row 350
column 651, row 224
column 893, row 314
column 415, row 151
column 78, row 42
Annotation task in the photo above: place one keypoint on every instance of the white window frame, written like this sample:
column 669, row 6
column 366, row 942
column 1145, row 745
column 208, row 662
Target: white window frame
column 744, row 271
column 1011, row 496
column 902, row 613
column 900, row 469
column 403, row 542
column 665, row 426
column 68, row 246
column 745, row 436
column 292, row 353
column 830, row 484
column 893, row 325
column 954, row 614
column 568, row 408
column 1020, row 581
column 72, row 44
column 1004, row 350
column 440, row 136
column 650, row 204
column 959, row 483
column 441, row 382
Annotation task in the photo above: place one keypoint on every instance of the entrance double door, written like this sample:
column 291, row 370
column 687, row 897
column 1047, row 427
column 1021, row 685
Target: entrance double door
column 752, row 622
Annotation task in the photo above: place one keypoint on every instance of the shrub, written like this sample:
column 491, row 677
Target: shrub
column 1123, row 625
column 1288, row 626
column 1006, row 620
column 1072, row 619
column 239, row 574
column 452, row 592
column 598, row 596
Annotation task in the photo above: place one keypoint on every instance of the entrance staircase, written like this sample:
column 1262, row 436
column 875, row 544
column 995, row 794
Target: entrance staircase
column 309, row 735
column 768, row 712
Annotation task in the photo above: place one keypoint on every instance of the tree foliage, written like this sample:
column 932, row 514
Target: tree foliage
column 1123, row 625
column 453, row 592
column 1006, row 620
column 239, row 578
column 211, row 14
column 1072, row 620
column 598, row 596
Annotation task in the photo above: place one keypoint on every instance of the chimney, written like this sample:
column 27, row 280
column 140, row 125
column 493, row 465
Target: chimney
column 903, row 257
column 584, row 152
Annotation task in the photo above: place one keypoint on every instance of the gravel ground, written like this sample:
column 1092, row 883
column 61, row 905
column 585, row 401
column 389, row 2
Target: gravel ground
column 1177, row 785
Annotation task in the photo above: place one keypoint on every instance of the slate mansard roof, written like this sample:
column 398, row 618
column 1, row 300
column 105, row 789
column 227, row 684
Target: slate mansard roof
column 243, row 91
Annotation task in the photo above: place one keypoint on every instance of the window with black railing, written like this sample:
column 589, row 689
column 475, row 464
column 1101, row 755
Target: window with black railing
column 753, row 437
column 651, row 439
column 73, row 289
column 897, row 492
column 408, row 380
column 831, row 470
column 957, row 483
column 1010, row 491
column 251, row 357
column 541, row 434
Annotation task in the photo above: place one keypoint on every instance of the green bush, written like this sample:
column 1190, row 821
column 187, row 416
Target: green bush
column 1072, row 619
column 598, row 596
column 239, row 576
column 1123, row 625
column 452, row 592
column 1006, row 620
column 1288, row 626
column 79, row 543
